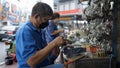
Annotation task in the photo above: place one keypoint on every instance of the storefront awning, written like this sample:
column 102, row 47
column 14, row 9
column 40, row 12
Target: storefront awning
column 70, row 12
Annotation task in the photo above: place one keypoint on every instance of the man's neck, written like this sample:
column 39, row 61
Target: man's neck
column 34, row 23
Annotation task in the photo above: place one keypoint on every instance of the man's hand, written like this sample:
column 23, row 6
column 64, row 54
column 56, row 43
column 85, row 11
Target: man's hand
column 57, row 32
column 62, row 30
column 58, row 41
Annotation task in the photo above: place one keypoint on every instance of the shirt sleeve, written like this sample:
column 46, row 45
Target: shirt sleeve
column 28, row 45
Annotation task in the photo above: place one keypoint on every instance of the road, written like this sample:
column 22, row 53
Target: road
column 2, row 51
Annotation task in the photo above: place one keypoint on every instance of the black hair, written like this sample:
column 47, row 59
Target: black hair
column 55, row 15
column 43, row 9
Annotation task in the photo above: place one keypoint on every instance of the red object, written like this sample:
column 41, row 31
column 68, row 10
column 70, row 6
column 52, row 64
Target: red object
column 10, row 32
column 14, row 57
column 73, row 60
column 70, row 61
column 70, row 11
column 93, row 49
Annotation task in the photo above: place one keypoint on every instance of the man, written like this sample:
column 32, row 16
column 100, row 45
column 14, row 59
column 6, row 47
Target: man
column 31, row 48
column 52, row 31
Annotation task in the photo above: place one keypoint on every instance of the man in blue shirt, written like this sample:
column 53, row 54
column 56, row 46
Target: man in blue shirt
column 52, row 31
column 31, row 48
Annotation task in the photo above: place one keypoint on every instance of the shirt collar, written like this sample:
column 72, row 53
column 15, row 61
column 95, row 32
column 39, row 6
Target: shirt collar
column 31, row 25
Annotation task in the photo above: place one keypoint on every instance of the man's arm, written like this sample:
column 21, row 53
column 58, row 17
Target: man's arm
column 39, row 56
column 57, row 32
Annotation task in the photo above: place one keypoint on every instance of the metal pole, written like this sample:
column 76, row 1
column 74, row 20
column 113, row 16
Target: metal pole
column 115, row 30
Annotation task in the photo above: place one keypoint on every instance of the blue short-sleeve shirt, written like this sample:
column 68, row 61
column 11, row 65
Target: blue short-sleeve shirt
column 28, row 41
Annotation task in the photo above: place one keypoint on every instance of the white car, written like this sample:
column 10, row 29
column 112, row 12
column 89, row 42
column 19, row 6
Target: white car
column 6, row 31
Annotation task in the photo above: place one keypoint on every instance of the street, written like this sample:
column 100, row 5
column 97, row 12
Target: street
column 3, row 48
column 2, row 51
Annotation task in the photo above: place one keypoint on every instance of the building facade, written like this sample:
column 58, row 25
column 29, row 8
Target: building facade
column 70, row 9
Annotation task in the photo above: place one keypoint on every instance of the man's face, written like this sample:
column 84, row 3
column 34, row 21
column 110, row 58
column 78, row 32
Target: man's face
column 44, row 22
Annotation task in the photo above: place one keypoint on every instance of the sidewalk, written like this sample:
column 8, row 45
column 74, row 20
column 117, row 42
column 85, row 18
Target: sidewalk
column 14, row 65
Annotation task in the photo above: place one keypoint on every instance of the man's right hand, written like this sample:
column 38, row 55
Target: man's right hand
column 62, row 30
column 58, row 41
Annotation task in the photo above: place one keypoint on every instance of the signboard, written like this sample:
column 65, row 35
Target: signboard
column 9, row 11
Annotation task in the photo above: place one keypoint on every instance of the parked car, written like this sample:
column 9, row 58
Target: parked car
column 7, row 31
column 6, row 23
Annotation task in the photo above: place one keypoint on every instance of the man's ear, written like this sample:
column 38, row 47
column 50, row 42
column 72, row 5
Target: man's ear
column 36, row 16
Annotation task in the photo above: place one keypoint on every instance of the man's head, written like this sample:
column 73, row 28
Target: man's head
column 41, row 13
column 55, row 17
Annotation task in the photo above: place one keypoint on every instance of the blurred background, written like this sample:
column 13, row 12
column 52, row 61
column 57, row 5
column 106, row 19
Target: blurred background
column 87, row 23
